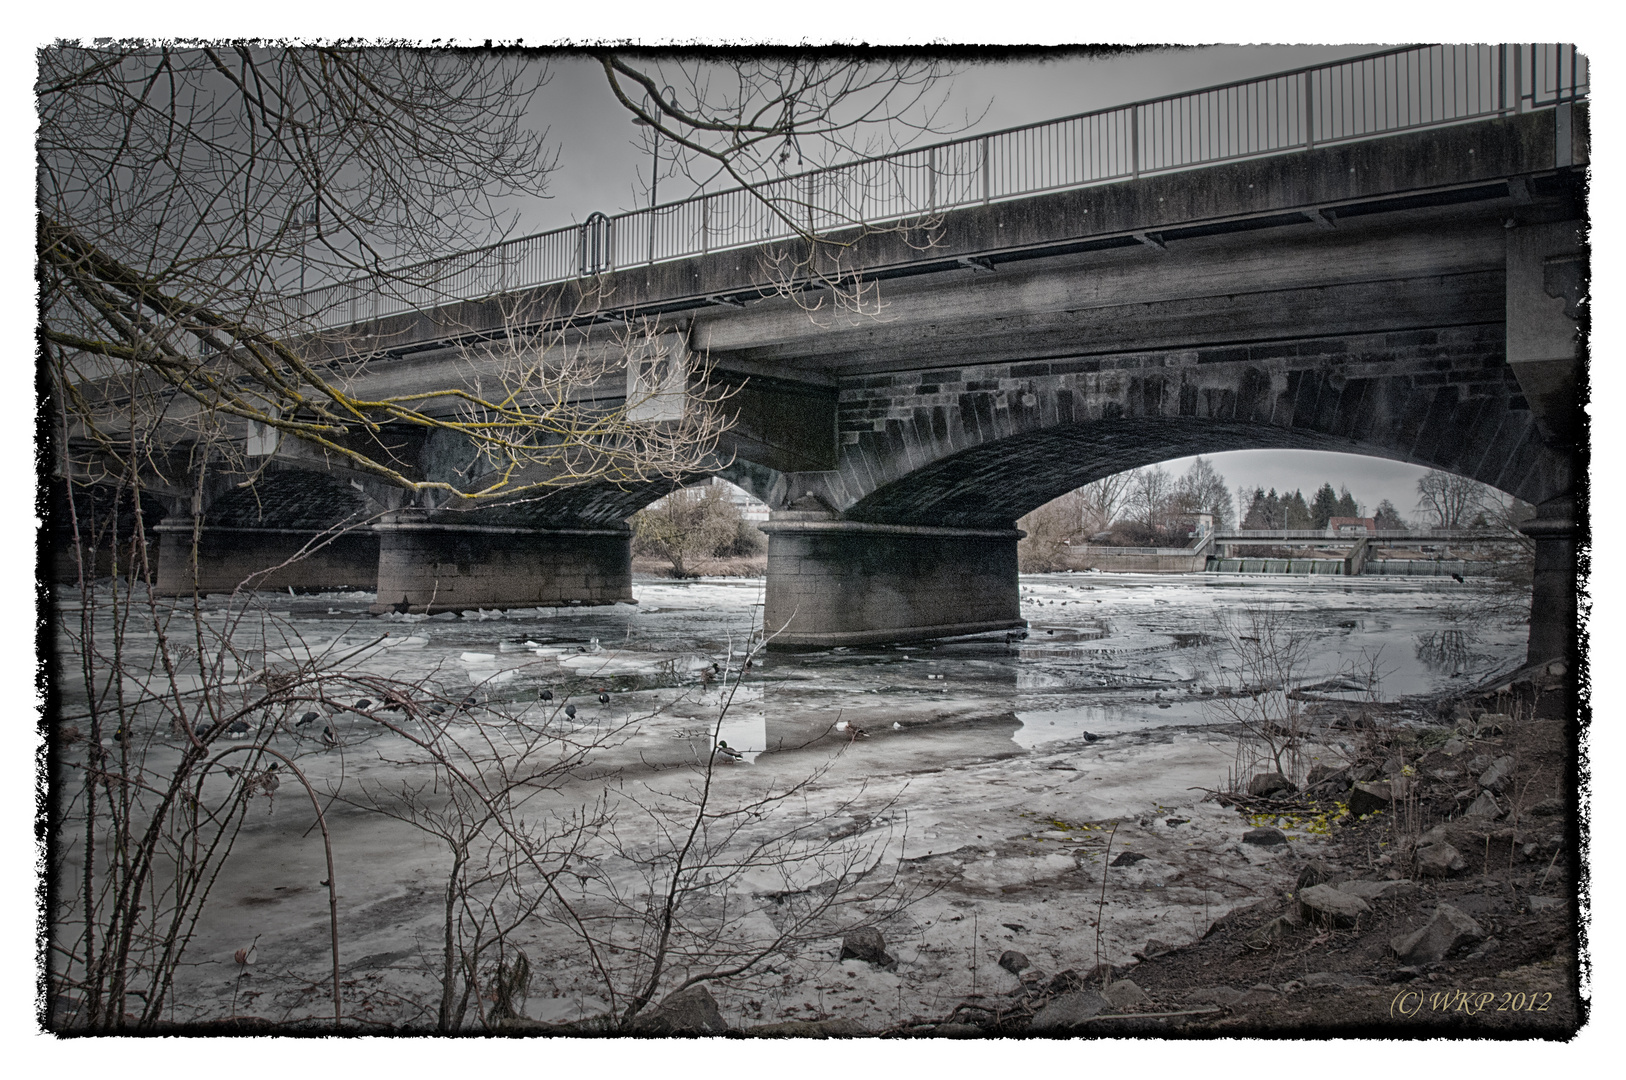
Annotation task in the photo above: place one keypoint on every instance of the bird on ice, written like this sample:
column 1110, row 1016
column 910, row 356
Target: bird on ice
column 1459, row 579
column 329, row 739
column 728, row 752
column 363, row 705
column 546, row 695
column 603, row 698
column 308, row 718
column 570, row 711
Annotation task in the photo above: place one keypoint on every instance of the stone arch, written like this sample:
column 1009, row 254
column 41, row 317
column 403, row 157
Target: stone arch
column 1011, row 437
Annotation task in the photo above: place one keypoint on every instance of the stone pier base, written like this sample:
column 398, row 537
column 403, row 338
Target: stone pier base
column 229, row 558
column 1553, row 610
column 427, row 568
column 833, row 582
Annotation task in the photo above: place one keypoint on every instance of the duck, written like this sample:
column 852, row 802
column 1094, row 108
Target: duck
column 1459, row 579
column 308, row 718
column 202, row 730
column 469, row 702
column 546, row 695
column 437, row 709
column 603, row 698
column 238, row 730
column 570, row 711
column 363, row 705
column 121, row 736
column 329, row 739
column 728, row 751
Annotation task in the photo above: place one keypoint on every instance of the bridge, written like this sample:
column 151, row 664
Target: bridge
column 1380, row 256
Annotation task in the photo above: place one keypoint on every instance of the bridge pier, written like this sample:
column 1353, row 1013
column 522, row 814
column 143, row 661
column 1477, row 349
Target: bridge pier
column 834, row 582
column 1553, row 608
column 227, row 557
column 430, row 567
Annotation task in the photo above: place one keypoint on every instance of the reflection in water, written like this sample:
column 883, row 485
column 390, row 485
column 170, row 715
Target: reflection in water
column 1446, row 650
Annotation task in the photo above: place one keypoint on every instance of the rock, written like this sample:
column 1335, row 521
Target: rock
column 1014, row 962
column 1067, row 1010
column 687, row 1012
column 1129, row 858
column 1483, row 807
column 1547, row 808
column 1448, row 930
column 956, row 1031
column 1341, row 979
column 1545, row 903
column 1156, row 948
column 1495, row 723
column 1366, row 772
column 1455, row 745
column 1367, row 798
column 867, row 944
column 1331, row 907
column 1439, row 860
column 1319, row 773
column 1379, row 890
column 1124, row 994
column 1292, row 986
column 1215, row 995
column 1264, row 837
column 1315, row 872
column 1493, row 778
column 1269, row 784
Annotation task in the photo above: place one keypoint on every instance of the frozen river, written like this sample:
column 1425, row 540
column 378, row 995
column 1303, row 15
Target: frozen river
column 991, row 771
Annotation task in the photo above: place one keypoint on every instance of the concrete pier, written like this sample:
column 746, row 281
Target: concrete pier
column 835, row 582
column 428, row 568
column 1553, row 607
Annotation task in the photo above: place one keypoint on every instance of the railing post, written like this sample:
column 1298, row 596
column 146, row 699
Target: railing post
column 1134, row 141
column 1309, row 110
column 985, row 185
column 705, row 225
column 1518, row 79
column 652, row 234
column 931, row 180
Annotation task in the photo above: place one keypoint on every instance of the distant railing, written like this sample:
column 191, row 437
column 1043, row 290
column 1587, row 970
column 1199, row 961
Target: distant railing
column 1323, row 535
column 1365, row 97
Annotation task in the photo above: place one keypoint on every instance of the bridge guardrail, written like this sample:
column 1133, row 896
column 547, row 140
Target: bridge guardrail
column 1371, row 96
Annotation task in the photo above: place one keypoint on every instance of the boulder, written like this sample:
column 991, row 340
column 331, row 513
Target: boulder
column 1319, row 773
column 1067, row 1010
column 1315, row 872
column 1367, row 798
column 1455, row 745
column 867, row 944
column 1448, row 930
column 1014, row 962
column 1264, row 837
column 1439, row 860
column 1269, row 784
column 1129, row 858
column 1124, row 994
column 1379, row 890
column 687, row 1012
column 1331, row 907
column 1483, row 807
column 1495, row 777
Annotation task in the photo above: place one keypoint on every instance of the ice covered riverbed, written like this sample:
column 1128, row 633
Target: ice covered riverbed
column 989, row 775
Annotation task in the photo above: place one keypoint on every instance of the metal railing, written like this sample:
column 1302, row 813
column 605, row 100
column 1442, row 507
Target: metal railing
column 1364, row 97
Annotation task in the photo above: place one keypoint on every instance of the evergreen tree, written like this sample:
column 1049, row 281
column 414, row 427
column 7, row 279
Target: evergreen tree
column 1347, row 506
column 1296, row 513
column 1324, row 508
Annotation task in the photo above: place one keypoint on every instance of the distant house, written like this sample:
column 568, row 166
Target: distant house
column 1201, row 525
column 1352, row 525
